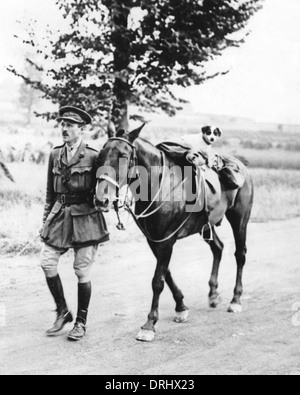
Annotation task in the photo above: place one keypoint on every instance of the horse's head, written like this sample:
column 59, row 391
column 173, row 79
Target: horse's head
column 115, row 160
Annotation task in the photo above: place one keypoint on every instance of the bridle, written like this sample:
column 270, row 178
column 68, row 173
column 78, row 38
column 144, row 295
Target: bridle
column 133, row 159
column 128, row 206
column 133, row 162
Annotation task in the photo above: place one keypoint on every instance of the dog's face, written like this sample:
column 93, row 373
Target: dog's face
column 211, row 134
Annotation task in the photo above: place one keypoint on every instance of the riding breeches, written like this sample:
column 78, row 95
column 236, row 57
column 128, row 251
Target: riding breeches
column 83, row 261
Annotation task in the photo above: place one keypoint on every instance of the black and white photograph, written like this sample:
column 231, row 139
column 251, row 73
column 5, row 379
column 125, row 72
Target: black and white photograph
column 149, row 190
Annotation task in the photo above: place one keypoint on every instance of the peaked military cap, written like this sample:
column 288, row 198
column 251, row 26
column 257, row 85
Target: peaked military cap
column 74, row 114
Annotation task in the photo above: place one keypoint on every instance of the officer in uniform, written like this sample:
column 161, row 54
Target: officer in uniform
column 71, row 219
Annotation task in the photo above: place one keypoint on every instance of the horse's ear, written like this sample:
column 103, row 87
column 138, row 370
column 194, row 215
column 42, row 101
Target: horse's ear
column 120, row 133
column 111, row 129
column 136, row 133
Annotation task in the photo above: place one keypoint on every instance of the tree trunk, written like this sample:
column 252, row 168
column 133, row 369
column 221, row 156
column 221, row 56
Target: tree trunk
column 121, row 40
column 120, row 116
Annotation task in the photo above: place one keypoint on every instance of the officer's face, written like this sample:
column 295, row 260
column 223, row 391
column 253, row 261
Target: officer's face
column 71, row 132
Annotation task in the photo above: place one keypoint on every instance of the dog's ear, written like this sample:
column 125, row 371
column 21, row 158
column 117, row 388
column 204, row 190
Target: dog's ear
column 220, row 132
column 206, row 129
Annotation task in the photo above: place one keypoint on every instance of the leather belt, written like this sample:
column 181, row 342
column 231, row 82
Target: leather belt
column 70, row 199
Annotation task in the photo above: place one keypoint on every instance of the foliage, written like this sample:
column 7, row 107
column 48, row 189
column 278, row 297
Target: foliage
column 132, row 52
column 6, row 172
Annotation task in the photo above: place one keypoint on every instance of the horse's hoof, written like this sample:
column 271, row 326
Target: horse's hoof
column 145, row 336
column 182, row 317
column 215, row 301
column 235, row 308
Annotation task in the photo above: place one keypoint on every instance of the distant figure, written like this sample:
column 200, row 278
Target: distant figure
column 71, row 219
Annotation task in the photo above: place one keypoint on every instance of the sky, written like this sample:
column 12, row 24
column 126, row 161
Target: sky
column 263, row 82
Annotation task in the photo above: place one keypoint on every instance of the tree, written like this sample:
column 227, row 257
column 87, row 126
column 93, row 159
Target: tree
column 132, row 52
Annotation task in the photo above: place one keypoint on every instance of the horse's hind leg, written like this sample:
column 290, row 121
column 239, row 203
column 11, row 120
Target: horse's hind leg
column 217, row 247
column 182, row 311
column 163, row 252
column 239, row 218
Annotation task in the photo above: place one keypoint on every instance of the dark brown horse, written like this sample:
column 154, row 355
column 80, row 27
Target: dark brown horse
column 164, row 220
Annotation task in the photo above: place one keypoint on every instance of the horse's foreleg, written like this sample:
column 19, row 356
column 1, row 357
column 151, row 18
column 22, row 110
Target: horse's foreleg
column 241, row 251
column 163, row 253
column 217, row 249
column 182, row 311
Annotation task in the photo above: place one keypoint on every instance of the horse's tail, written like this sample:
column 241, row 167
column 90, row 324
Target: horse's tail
column 6, row 172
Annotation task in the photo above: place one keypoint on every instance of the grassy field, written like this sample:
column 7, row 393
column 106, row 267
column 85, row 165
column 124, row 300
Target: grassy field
column 277, row 194
column 275, row 168
column 21, row 207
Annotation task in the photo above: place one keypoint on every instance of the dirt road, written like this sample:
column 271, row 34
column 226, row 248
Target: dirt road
column 262, row 340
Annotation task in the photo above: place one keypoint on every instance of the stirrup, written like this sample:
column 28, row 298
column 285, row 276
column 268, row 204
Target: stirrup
column 210, row 229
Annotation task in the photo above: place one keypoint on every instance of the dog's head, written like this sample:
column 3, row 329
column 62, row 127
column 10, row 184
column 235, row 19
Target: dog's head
column 211, row 134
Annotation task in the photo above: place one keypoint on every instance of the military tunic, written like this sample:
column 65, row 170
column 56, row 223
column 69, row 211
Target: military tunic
column 71, row 219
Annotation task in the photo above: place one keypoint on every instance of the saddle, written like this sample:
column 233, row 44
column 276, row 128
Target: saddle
column 227, row 168
column 207, row 198
column 207, row 184
column 231, row 173
column 176, row 150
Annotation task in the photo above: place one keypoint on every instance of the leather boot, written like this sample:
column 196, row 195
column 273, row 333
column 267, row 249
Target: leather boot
column 64, row 316
column 84, row 297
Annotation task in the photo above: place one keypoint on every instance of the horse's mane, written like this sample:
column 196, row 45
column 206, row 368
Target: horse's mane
column 148, row 147
column 145, row 145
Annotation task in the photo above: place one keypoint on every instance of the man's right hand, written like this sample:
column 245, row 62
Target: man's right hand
column 196, row 159
column 190, row 158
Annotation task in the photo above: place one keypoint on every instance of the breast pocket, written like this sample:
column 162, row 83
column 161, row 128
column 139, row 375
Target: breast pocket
column 82, row 178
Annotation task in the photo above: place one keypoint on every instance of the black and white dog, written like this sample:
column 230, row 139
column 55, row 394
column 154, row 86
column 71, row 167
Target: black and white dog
column 211, row 134
column 203, row 143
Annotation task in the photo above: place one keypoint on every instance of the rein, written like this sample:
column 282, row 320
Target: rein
column 145, row 213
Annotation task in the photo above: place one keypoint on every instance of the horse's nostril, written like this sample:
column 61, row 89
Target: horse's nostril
column 104, row 205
